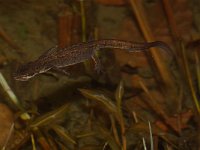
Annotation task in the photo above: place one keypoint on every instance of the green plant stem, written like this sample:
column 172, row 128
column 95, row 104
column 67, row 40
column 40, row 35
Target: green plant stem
column 83, row 26
column 123, row 130
column 197, row 69
column 189, row 79
column 33, row 142
column 151, row 136
column 114, row 129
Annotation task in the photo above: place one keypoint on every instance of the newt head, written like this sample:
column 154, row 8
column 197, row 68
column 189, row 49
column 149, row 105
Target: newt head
column 24, row 72
column 27, row 71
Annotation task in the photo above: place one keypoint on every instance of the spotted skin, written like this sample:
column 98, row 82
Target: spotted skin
column 56, row 58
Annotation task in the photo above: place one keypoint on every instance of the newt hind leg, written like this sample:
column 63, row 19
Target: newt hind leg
column 61, row 70
column 98, row 67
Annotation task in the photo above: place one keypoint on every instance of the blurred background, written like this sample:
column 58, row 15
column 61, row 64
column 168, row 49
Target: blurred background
column 143, row 100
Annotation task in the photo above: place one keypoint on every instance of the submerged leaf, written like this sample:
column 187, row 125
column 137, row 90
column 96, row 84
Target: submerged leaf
column 62, row 132
column 44, row 141
column 49, row 117
column 97, row 96
column 108, row 137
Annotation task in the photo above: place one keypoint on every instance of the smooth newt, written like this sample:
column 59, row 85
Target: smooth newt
column 56, row 58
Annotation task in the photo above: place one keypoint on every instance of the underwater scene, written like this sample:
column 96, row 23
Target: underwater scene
column 100, row 75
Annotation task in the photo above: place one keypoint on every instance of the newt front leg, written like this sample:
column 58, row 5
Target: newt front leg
column 97, row 63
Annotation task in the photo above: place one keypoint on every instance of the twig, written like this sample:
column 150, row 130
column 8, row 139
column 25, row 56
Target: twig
column 65, row 20
column 170, row 17
column 83, row 26
column 161, row 66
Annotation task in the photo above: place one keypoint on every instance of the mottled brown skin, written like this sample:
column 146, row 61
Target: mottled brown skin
column 56, row 58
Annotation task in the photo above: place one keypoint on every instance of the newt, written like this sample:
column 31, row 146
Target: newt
column 56, row 58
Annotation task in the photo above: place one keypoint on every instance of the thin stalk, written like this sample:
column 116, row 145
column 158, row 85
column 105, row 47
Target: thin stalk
column 9, row 136
column 124, row 140
column 9, row 92
column 33, row 142
column 118, row 96
column 197, row 69
column 83, row 20
column 12, row 97
column 114, row 129
column 151, row 136
column 163, row 70
column 124, row 145
column 123, row 130
column 189, row 79
column 83, row 27
column 104, row 146
column 135, row 117
column 144, row 143
column 65, row 23
column 170, row 17
column 42, row 140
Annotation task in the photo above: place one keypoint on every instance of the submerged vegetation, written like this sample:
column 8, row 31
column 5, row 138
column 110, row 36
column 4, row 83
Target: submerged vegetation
column 139, row 101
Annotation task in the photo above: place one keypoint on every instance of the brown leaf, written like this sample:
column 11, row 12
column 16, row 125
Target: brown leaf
column 65, row 23
column 50, row 117
column 119, row 93
column 6, row 121
column 178, row 122
column 99, row 97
